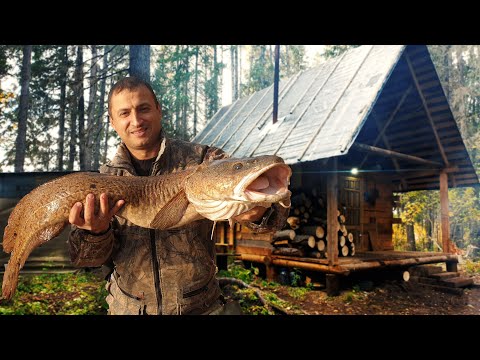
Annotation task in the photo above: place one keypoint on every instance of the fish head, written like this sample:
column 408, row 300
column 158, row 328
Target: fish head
column 224, row 188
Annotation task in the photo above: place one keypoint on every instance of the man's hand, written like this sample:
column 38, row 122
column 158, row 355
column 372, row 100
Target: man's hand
column 95, row 223
column 253, row 214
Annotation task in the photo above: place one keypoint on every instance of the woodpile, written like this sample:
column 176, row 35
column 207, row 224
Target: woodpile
column 305, row 231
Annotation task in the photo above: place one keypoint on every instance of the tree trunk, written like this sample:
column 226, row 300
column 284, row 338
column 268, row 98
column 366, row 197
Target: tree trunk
column 107, row 127
column 25, row 75
column 73, row 132
column 185, row 100
column 195, row 93
column 92, row 130
column 215, row 82
column 81, row 106
column 61, row 121
column 100, row 112
column 140, row 61
column 429, row 234
column 410, row 237
column 239, row 50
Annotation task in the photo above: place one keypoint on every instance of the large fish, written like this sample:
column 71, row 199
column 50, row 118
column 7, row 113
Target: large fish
column 216, row 190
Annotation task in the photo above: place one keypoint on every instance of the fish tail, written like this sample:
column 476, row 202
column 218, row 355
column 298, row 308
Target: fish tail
column 10, row 279
column 22, row 248
column 9, row 236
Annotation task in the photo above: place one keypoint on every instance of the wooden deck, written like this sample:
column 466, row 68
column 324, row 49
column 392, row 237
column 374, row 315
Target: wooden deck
column 361, row 261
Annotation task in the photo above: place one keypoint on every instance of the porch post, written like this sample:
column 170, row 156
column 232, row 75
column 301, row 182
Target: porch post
column 444, row 211
column 332, row 219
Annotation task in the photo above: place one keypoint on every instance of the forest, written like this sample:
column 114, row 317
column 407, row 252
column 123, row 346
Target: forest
column 53, row 110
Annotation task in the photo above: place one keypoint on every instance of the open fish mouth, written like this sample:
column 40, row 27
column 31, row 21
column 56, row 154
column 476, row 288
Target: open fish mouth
column 269, row 184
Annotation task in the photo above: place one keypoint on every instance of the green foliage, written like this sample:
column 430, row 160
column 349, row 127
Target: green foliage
column 261, row 69
column 295, row 277
column 239, row 272
column 298, row 292
column 336, row 50
column 472, row 267
column 58, row 294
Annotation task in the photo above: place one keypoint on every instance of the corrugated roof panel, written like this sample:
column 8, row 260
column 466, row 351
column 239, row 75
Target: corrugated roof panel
column 308, row 93
column 355, row 104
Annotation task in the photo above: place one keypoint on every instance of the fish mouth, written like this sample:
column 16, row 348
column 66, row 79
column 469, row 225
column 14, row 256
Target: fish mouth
column 270, row 184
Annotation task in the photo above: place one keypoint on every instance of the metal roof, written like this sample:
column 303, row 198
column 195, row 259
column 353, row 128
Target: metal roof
column 388, row 96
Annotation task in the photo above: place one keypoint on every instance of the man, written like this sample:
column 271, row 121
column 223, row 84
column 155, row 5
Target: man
column 153, row 271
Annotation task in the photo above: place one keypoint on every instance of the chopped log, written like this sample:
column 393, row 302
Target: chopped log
column 281, row 242
column 352, row 251
column 344, row 251
column 341, row 219
column 406, row 276
column 284, row 234
column 338, row 213
column 306, row 215
column 350, row 237
column 321, row 245
column 288, row 251
column 321, row 202
column 316, row 254
column 342, row 241
column 307, row 202
column 294, row 222
column 311, row 242
column 298, row 200
column 317, row 231
column 296, row 212
column 343, row 229
column 306, row 239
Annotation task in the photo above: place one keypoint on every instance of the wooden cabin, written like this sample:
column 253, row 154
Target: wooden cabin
column 378, row 109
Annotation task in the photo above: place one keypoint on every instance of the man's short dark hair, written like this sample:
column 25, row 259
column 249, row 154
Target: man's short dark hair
column 129, row 83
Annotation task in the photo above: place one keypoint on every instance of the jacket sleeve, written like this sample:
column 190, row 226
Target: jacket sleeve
column 275, row 217
column 88, row 250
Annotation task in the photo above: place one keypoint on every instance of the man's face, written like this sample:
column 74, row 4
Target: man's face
column 136, row 118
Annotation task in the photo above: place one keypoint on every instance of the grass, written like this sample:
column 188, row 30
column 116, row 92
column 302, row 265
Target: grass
column 472, row 267
column 58, row 294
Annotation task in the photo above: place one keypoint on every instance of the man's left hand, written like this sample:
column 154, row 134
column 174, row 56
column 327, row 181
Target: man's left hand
column 253, row 214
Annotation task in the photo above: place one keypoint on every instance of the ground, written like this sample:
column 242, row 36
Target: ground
column 382, row 297
column 84, row 293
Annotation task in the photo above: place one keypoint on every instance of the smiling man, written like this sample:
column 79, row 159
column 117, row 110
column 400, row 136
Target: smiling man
column 152, row 271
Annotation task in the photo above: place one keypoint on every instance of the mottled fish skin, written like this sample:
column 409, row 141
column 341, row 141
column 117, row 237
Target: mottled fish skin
column 43, row 213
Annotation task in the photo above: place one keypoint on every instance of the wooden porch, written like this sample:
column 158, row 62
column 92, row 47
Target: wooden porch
column 361, row 261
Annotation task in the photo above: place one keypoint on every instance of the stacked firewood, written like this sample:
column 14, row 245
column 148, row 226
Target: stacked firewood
column 305, row 232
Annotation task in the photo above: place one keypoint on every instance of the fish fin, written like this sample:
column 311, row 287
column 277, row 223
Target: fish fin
column 171, row 213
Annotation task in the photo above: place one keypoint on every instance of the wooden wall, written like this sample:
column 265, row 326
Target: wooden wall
column 377, row 214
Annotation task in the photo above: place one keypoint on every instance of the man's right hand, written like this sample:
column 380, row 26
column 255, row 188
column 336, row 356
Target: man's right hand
column 95, row 223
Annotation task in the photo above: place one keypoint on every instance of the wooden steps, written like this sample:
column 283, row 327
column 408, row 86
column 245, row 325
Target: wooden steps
column 445, row 281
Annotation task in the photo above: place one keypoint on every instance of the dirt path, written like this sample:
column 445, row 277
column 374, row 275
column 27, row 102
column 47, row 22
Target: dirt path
column 390, row 297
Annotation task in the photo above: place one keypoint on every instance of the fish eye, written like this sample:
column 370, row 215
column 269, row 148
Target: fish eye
column 238, row 166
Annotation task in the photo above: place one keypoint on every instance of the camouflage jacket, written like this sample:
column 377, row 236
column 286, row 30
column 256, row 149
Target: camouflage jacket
column 156, row 271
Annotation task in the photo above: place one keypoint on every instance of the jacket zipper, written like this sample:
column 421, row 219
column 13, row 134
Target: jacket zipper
column 155, row 267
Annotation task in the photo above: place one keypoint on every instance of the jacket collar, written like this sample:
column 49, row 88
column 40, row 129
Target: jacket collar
column 123, row 157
